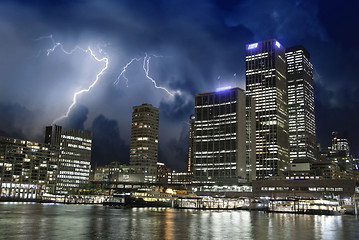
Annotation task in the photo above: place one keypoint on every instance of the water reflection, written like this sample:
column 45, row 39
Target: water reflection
column 51, row 221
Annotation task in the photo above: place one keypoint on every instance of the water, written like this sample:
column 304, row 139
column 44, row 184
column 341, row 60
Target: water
column 56, row 221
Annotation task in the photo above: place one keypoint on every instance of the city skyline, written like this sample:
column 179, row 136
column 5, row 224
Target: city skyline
column 184, row 49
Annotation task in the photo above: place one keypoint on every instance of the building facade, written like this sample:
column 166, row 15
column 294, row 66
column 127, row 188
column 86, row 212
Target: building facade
column 266, row 83
column 144, row 141
column 302, row 130
column 163, row 173
column 340, row 154
column 74, row 157
column 219, row 147
column 191, row 142
column 312, row 188
column 28, row 169
column 250, row 139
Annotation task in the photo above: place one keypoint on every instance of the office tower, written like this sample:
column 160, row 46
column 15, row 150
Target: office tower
column 302, row 140
column 340, row 154
column 27, row 169
column 340, row 143
column 250, row 139
column 219, row 154
column 191, row 142
column 144, row 141
column 266, row 83
column 74, row 157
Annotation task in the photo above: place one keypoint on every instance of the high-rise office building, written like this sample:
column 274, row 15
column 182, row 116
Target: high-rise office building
column 266, row 83
column 250, row 139
column 302, row 140
column 220, row 138
column 340, row 154
column 74, row 157
column 144, row 141
column 340, row 143
column 28, row 169
column 191, row 142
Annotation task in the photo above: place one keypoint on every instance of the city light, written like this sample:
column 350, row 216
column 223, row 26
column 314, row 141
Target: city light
column 223, row 88
column 252, row 46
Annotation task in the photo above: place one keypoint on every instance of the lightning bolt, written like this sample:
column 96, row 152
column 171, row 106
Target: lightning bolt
column 146, row 69
column 145, row 66
column 124, row 69
column 88, row 50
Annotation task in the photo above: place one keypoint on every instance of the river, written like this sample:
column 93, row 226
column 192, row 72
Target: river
column 58, row 221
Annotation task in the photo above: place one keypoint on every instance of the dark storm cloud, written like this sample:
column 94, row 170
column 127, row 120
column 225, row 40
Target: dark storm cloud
column 195, row 46
column 76, row 118
column 176, row 110
column 338, row 19
column 13, row 118
column 176, row 149
column 107, row 144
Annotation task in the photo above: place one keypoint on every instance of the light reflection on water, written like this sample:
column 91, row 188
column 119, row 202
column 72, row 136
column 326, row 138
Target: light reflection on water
column 56, row 221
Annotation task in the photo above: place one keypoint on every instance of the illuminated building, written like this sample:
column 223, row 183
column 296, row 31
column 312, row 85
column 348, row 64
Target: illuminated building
column 182, row 178
column 339, row 143
column 325, row 170
column 27, row 169
column 304, row 188
column 356, row 169
column 302, row 140
column 266, row 83
column 74, row 157
column 191, row 142
column 338, row 159
column 250, row 139
column 144, row 141
column 163, row 173
column 340, row 153
column 108, row 172
column 220, row 134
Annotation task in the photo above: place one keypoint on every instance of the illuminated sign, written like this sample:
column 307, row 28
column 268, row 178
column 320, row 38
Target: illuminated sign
column 277, row 44
column 223, row 88
column 252, row 46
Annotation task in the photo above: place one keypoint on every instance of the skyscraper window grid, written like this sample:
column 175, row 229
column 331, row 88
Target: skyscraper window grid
column 266, row 83
column 302, row 129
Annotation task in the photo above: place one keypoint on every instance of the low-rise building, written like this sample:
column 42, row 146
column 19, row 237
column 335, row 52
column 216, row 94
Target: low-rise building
column 313, row 188
column 163, row 173
column 183, row 178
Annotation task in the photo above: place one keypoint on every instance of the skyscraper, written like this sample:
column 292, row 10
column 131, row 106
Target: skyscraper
column 191, row 142
column 219, row 148
column 74, row 157
column 340, row 154
column 302, row 140
column 144, row 141
column 266, row 83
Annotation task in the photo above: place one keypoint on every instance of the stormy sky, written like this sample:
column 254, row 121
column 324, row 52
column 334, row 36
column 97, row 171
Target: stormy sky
column 185, row 46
